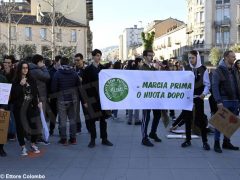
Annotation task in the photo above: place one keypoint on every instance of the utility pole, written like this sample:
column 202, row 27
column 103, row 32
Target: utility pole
column 53, row 30
column 9, row 26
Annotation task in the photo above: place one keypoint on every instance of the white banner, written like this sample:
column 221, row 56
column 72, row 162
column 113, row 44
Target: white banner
column 5, row 90
column 124, row 89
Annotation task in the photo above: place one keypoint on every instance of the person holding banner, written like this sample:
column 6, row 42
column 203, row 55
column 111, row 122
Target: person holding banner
column 90, row 94
column 2, row 107
column 147, row 66
column 24, row 96
column 201, row 89
column 226, row 88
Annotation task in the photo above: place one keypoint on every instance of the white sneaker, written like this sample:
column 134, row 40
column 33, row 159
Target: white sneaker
column 24, row 151
column 35, row 149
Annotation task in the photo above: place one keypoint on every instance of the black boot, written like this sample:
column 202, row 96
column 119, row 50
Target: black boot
column 106, row 142
column 228, row 145
column 92, row 143
column 206, row 146
column 217, row 147
column 2, row 153
column 186, row 143
column 155, row 137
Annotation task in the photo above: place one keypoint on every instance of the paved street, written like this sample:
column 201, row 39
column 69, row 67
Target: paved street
column 126, row 160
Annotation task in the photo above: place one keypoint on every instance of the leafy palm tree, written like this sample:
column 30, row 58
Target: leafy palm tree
column 148, row 40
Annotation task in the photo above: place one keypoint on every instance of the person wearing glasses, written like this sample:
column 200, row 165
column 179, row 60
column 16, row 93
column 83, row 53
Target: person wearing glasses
column 79, row 68
column 201, row 89
column 148, row 66
column 24, row 96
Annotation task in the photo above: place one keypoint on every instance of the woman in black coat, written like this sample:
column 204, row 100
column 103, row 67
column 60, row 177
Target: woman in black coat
column 24, row 96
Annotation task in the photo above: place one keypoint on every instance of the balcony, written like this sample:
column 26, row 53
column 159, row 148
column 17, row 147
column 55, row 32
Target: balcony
column 222, row 23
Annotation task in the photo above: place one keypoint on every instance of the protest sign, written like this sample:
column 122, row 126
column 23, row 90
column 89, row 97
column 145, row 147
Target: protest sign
column 226, row 122
column 5, row 90
column 4, row 123
column 125, row 89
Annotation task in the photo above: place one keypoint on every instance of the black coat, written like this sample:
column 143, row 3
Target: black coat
column 66, row 83
column 18, row 94
column 90, row 92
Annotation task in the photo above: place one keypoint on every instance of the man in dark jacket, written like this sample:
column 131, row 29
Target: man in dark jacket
column 226, row 88
column 41, row 75
column 66, row 83
column 53, row 101
column 148, row 66
column 91, row 94
column 2, row 107
column 79, row 68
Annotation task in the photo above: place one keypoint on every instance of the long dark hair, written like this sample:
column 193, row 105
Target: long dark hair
column 18, row 76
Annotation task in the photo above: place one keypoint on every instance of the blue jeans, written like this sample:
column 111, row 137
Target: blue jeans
column 231, row 105
column 67, row 110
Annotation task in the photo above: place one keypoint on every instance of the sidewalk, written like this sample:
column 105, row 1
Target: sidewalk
column 126, row 160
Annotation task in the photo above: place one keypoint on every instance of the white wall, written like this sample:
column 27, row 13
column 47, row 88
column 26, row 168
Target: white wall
column 75, row 10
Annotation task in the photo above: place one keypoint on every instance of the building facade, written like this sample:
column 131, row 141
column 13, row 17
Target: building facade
column 171, row 45
column 213, row 23
column 130, row 38
column 32, row 25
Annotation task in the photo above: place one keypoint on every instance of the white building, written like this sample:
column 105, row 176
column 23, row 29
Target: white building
column 171, row 45
column 213, row 23
column 130, row 38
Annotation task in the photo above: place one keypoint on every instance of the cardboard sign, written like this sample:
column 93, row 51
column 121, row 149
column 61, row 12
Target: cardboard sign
column 226, row 122
column 4, row 123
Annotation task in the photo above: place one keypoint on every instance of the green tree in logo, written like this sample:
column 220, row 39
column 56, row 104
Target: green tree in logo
column 116, row 89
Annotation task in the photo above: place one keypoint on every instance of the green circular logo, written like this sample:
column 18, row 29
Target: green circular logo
column 116, row 89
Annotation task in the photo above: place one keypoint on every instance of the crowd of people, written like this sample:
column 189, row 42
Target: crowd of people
column 60, row 87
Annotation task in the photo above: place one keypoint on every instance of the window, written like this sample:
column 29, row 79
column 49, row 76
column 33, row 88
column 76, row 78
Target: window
column 28, row 33
column 200, row 2
column 202, row 16
column 218, row 37
column 238, row 34
column 226, row 1
column 74, row 35
column 219, row 14
column 226, row 36
column 13, row 33
column 226, row 13
column 59, row 35
column 43, row 33
column 218, row 1
column 169, row 42
column 222, row 1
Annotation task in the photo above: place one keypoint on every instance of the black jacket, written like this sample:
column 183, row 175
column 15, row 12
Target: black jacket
column 90, row 91
column 41, row 76
column 66, row 83
column 19, row 94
